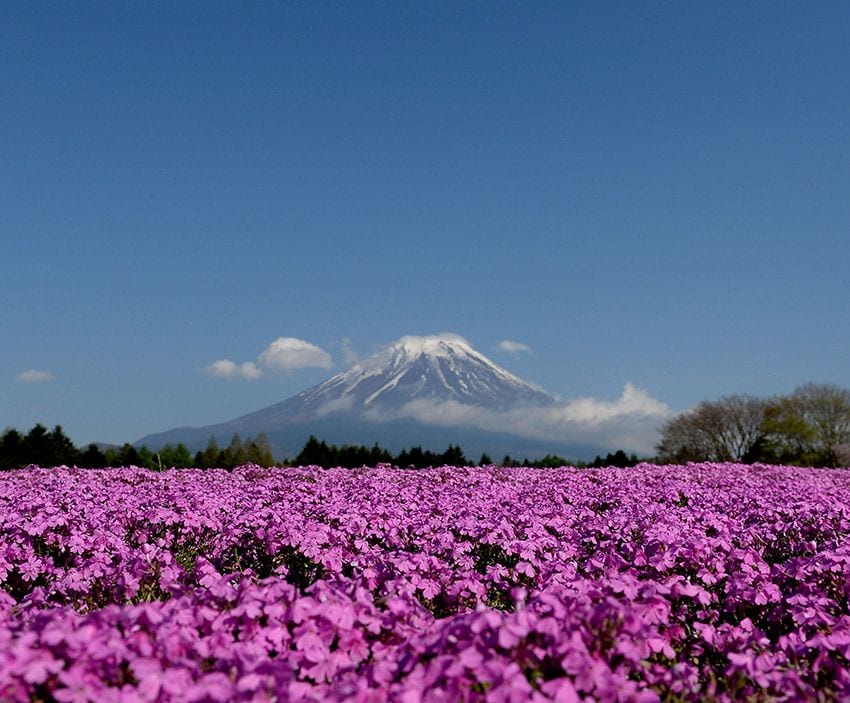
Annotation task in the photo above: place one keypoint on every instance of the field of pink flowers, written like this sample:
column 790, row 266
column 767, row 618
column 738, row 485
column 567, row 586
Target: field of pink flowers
column 706, row 582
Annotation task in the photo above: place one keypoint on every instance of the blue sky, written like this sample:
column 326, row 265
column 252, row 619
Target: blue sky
column 643, row 193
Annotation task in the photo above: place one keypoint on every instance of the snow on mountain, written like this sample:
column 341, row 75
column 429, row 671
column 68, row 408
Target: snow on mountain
column 439, row 367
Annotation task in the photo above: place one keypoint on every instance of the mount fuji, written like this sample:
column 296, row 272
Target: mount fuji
column 378, row 399
column 442, row 368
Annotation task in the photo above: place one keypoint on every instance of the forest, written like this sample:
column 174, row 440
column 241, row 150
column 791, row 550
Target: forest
column 44, row 447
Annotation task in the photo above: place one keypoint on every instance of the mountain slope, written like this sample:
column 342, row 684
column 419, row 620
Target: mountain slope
column 443, row 367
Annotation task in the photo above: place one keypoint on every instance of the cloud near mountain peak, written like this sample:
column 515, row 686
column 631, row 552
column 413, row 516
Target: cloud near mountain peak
column 631, row 421
column 284, row 354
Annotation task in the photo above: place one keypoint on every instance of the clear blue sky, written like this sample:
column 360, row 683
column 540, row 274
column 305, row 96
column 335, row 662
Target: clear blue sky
column 640, row 192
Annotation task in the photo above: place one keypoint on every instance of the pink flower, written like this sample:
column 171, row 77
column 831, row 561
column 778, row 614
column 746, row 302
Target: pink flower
column 214, row 686
column 78, row 686
column 560, row 690
column 39, row 666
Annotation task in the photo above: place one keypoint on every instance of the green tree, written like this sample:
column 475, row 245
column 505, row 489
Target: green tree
column 453, row 456
column 62, row 448
column 314, row 453
column 235, row 454
column 125, row 455
column 210, row 457
column 37, row 446
column 11, row 450
column 259, row 451
column 811, row 426
column 147, row 459
column 414, row 458
column 92, row 458
column 618, row 459
column 170, row 456
column 551, row 461
column 379, row 455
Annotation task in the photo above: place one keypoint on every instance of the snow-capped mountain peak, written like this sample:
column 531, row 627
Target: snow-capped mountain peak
column 441, row 367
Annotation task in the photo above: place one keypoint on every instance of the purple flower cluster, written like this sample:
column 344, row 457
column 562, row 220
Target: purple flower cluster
column 706, row 582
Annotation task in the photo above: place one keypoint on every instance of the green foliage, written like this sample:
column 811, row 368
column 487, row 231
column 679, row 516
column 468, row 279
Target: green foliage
column 92, row 458
column 125, row 455
column 53, row 448
column 251, row 553
column 319, row 453
column 238, row 453
column 416, row 458
column 809, row 427
column 550, row 461
column 486, row 554
column 788, row 437
column 12, row 450
column 38, row 446
column 618, row 459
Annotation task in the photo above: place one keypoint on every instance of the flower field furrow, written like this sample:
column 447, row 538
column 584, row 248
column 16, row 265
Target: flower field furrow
column 705, row 582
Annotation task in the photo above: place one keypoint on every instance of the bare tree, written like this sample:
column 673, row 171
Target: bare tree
column 723, row 430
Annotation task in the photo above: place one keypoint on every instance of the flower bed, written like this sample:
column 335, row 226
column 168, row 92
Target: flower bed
column 706, row 582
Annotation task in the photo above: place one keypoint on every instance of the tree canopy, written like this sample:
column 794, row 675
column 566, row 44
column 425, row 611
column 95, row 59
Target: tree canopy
column 811, row 427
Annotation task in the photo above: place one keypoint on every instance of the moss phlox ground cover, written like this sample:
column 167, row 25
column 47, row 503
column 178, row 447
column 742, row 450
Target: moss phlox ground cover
column 705, row 582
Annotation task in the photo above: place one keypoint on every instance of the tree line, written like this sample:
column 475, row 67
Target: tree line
column 318, row 453
column 54, row 448
column 809, row 427
column 45, row 447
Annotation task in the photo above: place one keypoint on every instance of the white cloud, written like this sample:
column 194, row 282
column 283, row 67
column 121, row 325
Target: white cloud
column 511, row 347
column 290, row 353
column 632, row 402
column 34, row 376
column 344, row 403
column 349, row 356
column 283, row 354
column 225, row 368
column 631, row 422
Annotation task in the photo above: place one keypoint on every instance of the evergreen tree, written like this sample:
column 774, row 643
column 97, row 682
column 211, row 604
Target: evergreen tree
column 415, row 458
column 148, row 459
column 262, row 451
column 173, row 457
column 37, row 447
column 210, row 457
column 314, row 453
column 235, row 454
column 258, row 451
column 127, row 455
column 550, row 461
column 92, row 458
column 453, row 456
column 62, row 448
column 11, row 450
column 379, row 456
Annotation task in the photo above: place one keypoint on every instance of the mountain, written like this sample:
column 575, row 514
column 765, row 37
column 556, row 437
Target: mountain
column 381, row 398
column 438, row 368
